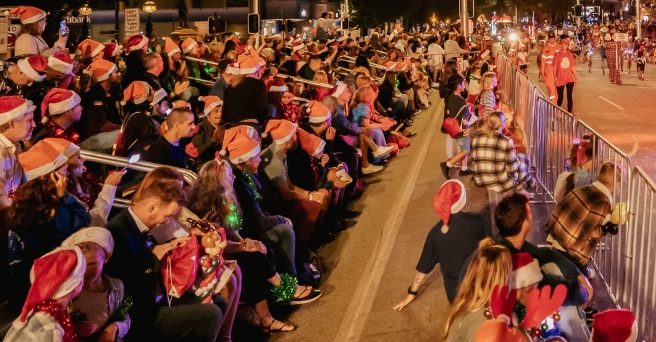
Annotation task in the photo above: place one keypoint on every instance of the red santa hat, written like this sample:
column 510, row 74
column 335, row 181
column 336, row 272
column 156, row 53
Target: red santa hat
column 211, row 102
column 277, row 85
column 13, row 108
column 137, row 92
column 159, row 95
column 318, row 112
column 98, row 235
column 137, row 42
column 526, row 271
column 498, row 330
column 188, row 44
column 28, row 14
column 170, row 47
column 111, row 50
column 298, row 45
column 339, row 90
column 101, row 69
column 63, row 146
column 59, row 100
column 240, row 144
column 90, row 48
column 281, row 131
column 34, row 67
column 245, row 65
column 62, row 62
column 44, row 157
column 449, row 199
column 614, row 325
column 390, row 66
column 53, row 276
column 310, row 143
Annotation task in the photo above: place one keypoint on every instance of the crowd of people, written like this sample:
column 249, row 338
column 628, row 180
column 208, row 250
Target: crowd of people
column 278, row 160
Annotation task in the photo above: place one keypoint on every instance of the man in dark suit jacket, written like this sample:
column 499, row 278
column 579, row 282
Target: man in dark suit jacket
column 137, row 262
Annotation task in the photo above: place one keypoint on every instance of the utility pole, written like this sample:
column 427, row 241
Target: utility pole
column 464, row 18
column 638, row 21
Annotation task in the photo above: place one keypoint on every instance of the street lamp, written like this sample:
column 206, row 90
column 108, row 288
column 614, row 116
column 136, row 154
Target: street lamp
column 86, row 12
column 149, row 7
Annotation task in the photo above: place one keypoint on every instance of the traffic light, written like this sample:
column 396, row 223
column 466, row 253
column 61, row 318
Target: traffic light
column 211, row 23
column 253, row 23
column 578, row 10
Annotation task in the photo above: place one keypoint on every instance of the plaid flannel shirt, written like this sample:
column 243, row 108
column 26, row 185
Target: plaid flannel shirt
column 39, row 327
column 576, row 222
column 494, row 162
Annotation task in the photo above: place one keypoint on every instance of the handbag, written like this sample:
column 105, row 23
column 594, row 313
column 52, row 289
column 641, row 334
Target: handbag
column 452, row 126
column 180, row 268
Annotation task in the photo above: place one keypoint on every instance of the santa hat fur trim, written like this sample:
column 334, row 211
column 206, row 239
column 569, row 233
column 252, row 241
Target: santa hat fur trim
column 98, row 235
column 13, row 108
column 34, row 67
column 526, row 271
column 211, row 102
column 61, row 62
column 241, row 144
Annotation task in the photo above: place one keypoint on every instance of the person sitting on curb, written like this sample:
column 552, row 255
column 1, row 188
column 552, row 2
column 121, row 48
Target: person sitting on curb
column 580, row 220
column 448, row 247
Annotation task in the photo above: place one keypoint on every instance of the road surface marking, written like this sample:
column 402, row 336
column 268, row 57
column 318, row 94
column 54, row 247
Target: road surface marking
column 611, row 102
column 358, row 310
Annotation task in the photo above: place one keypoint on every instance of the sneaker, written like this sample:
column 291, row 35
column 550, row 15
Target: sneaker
column 445, row 170
column 371, row 169
column 309, row 298
column 467, row 172
column 382, row 151
column 435, row 85
column 590, row 272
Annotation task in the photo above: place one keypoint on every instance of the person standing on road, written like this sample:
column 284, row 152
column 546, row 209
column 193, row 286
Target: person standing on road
column 546, row 68
column 565, row 73
column 612, row 55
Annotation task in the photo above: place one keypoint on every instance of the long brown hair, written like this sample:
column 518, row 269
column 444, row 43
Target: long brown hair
column 212, row 194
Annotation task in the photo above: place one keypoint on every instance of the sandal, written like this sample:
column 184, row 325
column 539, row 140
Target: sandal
column 284, row 327
column 308, row 295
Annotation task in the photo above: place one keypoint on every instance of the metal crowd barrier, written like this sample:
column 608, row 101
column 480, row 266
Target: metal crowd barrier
column 637, row 290
column 108, row 159
column 624, row 262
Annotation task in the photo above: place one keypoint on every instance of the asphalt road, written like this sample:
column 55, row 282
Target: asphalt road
column 621, row 113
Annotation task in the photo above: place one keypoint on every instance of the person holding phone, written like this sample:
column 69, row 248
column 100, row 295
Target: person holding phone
column 30, row 40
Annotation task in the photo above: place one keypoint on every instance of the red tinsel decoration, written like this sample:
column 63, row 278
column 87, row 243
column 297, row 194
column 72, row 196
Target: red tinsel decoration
column 54, row 309
column 55, row 131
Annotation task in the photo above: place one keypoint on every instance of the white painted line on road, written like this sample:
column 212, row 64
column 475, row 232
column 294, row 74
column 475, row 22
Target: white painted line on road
column 358, row 310
column 611, row 103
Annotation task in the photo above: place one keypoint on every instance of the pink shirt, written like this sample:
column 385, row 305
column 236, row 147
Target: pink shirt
column 564, row 65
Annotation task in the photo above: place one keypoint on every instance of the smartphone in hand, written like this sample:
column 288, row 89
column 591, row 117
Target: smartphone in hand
column 63, row 30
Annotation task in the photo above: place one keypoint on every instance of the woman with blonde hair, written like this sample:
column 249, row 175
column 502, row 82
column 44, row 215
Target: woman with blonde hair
column 496, row 164
column 487, row 101
column 322, row 77
column 491, row 266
